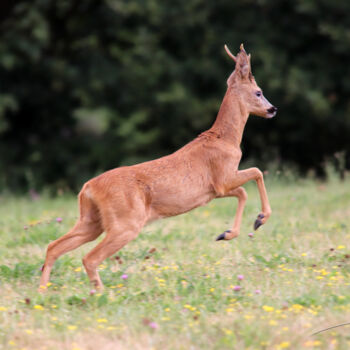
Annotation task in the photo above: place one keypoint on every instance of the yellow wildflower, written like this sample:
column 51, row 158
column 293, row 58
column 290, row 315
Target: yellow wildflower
column 268, row 308
column 38, row 307
column 102, row 320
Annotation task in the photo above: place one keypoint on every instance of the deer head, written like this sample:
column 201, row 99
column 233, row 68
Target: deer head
column 243, row 84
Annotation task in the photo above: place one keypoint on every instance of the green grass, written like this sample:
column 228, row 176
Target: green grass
column 181, row 294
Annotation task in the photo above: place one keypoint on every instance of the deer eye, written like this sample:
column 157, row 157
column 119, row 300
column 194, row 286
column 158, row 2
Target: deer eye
column 258, row 93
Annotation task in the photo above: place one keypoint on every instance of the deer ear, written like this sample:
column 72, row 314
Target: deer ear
column 243, row 64
column 242, row 72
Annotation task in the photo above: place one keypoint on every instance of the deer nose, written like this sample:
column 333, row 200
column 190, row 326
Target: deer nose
column 272, row 109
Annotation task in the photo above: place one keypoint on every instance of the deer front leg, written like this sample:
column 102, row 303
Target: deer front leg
column 243, row 176
column 241, row 195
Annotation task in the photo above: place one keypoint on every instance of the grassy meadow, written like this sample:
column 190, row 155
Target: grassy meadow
column 174, row 287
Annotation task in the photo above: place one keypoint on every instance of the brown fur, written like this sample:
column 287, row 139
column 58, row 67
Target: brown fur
column 121, row 201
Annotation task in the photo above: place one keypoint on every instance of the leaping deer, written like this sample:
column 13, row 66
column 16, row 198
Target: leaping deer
column 123, row 200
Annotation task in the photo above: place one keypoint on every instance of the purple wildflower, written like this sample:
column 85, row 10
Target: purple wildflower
column 153, row 325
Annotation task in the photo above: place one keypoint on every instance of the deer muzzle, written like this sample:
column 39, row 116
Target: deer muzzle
column 271, row 112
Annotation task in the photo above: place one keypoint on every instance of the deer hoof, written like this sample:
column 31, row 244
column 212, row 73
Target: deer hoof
column 257, row 224
column 222, row 236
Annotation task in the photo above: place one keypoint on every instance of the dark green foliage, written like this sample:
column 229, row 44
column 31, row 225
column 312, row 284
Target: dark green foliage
column 89, row 85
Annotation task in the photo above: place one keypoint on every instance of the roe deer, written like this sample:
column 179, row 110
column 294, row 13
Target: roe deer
column 121, row 201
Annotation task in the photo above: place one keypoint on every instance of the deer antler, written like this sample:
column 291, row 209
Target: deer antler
column 230, row 53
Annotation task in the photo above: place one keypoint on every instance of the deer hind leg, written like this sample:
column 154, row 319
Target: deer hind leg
column 87, row 229
column 122, row 225
column 115, row 239
column 81, row 233
column 241, row 195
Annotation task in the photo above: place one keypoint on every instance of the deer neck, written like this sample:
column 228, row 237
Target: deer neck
column 231, row 119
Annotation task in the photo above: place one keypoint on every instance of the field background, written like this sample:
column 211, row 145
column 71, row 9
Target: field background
column 180, row 287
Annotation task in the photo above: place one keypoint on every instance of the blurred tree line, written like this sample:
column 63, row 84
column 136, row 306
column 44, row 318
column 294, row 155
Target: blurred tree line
column 88, row 85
